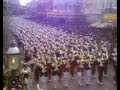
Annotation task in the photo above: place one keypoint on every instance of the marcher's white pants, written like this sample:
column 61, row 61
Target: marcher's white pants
column 79, row 76
column 55, row 81
column 66, row 78
column 43, row 82
column 88, row 76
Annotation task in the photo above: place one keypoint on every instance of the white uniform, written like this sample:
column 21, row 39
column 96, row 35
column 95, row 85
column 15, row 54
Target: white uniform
column 88, row 73
column 79, row 71
column 55, row 76
column 43, row 78
column 26, row 71
column 66, row 75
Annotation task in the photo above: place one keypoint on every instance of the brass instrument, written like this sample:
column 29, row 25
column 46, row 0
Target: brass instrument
column 67, row 65
column 59, row 64
column 82, row 66
column 83, row 61
column 91, row 62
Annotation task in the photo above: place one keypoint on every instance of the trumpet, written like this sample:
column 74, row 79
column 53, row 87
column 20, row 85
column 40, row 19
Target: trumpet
column 82, row 66
column 91, row 61
column 83, row 61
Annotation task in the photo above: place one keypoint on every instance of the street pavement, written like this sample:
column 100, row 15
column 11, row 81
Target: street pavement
column 73, row 85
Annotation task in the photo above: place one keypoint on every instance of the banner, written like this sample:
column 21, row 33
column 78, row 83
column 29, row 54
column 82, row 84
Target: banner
column 110, row 16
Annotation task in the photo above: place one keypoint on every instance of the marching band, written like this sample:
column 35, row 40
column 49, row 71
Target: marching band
column 61, row 67
column 59, row 55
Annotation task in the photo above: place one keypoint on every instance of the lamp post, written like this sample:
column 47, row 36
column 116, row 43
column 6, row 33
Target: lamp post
column 13, row 55
column 13, row 65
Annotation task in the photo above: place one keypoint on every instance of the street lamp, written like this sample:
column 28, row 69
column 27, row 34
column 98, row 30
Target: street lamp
column 13, row 56
column 11, row 71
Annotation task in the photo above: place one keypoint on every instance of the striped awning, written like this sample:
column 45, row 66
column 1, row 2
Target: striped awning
column 110, row 16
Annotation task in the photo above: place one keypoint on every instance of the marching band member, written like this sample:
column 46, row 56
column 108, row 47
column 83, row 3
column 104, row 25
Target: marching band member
column 61, row 52
column 66, row 69
column 83, row 63
column 31, row 62
column 100, row 69
column 25, row 71
column 93, row 66
column 88, row 70
column 60, row 67
column 43, row 75
column 49, row 68
column 114, row 54
column 28, row 54
column 35, row 51
column 55, row 72
column 37, row 70
column 115, row 69
column 105, row 65
column 79, row 68
column 69, row 54
column 72, row 67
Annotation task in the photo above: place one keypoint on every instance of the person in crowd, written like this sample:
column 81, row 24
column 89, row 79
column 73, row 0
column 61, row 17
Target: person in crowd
column 28, row 54
column 83, row 63
column 72, row 67
column 93, row 66
column 105, row 65
column 49, row 68
column 25, row 71
column 44, row 75
column 66, row 70
column 37, row 70
column 79, row 68
column 55, row 73
column 60, row 67
column 100, row 70
column 114, row 54
column 35, row 51
column 88, row 70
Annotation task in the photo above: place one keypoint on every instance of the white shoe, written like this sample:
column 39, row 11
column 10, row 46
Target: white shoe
column 55, row 87
column 114, row 82
column 79, row 83
column 61, row 79
column 88, row 83
column 82, row 77
column 66, row 85
column 100, row 83
column 94, row 77
column 49, row 80
column 105, row 75
column 72, row 78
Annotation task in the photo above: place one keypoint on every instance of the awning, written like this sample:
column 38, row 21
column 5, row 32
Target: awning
column 110, row 16
column 101, row 25
column 94, row 24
